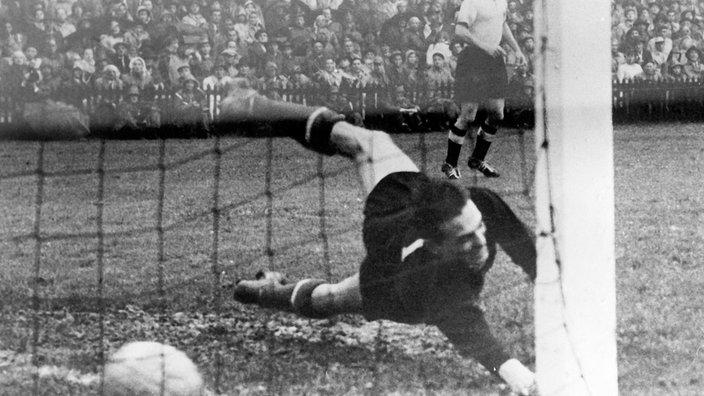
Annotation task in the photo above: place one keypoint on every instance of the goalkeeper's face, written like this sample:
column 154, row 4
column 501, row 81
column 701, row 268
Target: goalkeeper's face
column 464, row 237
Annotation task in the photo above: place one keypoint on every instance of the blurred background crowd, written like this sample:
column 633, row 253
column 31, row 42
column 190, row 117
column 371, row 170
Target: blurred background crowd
column 657, row 40
column 334, row 48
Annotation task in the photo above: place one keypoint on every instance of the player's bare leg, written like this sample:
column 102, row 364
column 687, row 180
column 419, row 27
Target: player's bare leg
column 456, row 137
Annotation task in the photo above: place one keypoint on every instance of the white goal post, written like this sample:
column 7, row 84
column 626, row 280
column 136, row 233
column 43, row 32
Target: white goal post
column 575, row 296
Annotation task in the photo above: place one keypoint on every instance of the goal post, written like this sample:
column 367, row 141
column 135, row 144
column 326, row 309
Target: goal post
column 575, row 296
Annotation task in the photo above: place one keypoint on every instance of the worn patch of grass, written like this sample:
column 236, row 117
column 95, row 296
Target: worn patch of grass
column 246, row 351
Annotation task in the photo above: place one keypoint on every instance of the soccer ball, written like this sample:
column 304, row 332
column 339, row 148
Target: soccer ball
column 151, row 368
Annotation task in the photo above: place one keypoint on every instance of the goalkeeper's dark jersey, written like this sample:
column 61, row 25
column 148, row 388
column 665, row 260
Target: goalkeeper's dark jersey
column 401, row 280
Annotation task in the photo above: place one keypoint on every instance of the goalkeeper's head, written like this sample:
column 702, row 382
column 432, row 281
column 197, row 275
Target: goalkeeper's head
column 450, row 223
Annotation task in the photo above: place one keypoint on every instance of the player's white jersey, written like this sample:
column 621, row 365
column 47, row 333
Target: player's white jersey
column 484, row 18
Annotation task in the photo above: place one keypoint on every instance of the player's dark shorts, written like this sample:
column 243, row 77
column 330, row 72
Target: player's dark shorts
column 419, row 288
column 479, row 76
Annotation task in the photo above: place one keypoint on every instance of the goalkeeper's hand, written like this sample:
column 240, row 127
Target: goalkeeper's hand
column 518, row 377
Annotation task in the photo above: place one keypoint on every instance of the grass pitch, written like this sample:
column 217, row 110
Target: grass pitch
column 168, row 286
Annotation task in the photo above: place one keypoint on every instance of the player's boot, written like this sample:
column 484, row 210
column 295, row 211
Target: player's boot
column 482, row 167
column 451, row 172
column 270, row 290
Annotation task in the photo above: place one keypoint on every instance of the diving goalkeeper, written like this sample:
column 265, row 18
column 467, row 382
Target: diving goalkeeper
column 429, row 242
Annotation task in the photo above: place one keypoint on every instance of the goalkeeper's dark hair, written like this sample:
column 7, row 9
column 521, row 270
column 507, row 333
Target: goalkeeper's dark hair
column 437, row 202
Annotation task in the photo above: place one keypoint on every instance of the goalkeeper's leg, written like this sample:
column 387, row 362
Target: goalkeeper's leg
column 313, row 298
column 321, row 130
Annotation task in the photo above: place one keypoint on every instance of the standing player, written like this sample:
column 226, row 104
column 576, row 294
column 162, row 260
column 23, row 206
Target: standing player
column 429, row 242
column 480, row 80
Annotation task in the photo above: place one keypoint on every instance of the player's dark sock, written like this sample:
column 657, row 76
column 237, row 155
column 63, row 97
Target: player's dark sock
column 294, row 297
column 454, row 148
column 302, row 298
column 484, row 137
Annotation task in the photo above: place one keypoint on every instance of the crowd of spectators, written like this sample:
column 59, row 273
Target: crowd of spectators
column 190, row 47
column 657, row 40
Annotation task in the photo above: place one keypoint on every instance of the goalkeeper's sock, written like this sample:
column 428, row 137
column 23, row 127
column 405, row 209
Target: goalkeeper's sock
column 310, row 126
column 266, row 293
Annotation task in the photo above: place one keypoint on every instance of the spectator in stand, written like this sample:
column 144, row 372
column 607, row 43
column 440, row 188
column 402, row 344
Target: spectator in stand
column 631, row 69
column 77, row 13
column 288, row 60
column 645, row 18
column 248, row 73
column 253, row 8
column 359, row 72
column 300, row 80
column 77, row 79
column 643, row 32
column 273, row 52
column 118, row 11
column 315, row 61
column 300, row 36
column 439, row 75
column 663, row 35
column 230, row 59
column 338, row 102
column 513, row 12
column 218, row 79
column 396, row 71
column 651, row 72
column 272, row 83
column 329, row 23
column 455, row 47
column 414, row 76
column 616, row 55
column 120, row 58
column 693, row 68
column 114, row 36
column 672, row 16
column 258, row 49
column 50, row 81
column 413, row 37
column 190, row 105
column 144, row 16
column 436, row 25
column 394, row 32
column 684, row 40
column 138, row 75
column 330, row 75
column 350, row 28
column 441, row 45
column 254, row 25
column 370, row 44
column 378, row 75
column 658, row 55
column 626, row 24
column 350, row 48
column 135, row 117
column 32, row 60
column 675, row 73
column 11, row 38
column 109, row 79
column 325, row 35
column 62, row 24
column 169, row 62
column 88, row 59
column 214, row 24
column 53, row 56
column 137, row 36
column 194, row 18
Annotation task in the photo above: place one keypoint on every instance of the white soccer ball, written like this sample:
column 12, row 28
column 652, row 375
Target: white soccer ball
column 151, row 368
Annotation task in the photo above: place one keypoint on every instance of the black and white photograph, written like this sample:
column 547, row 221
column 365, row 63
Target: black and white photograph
column 351, row 197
